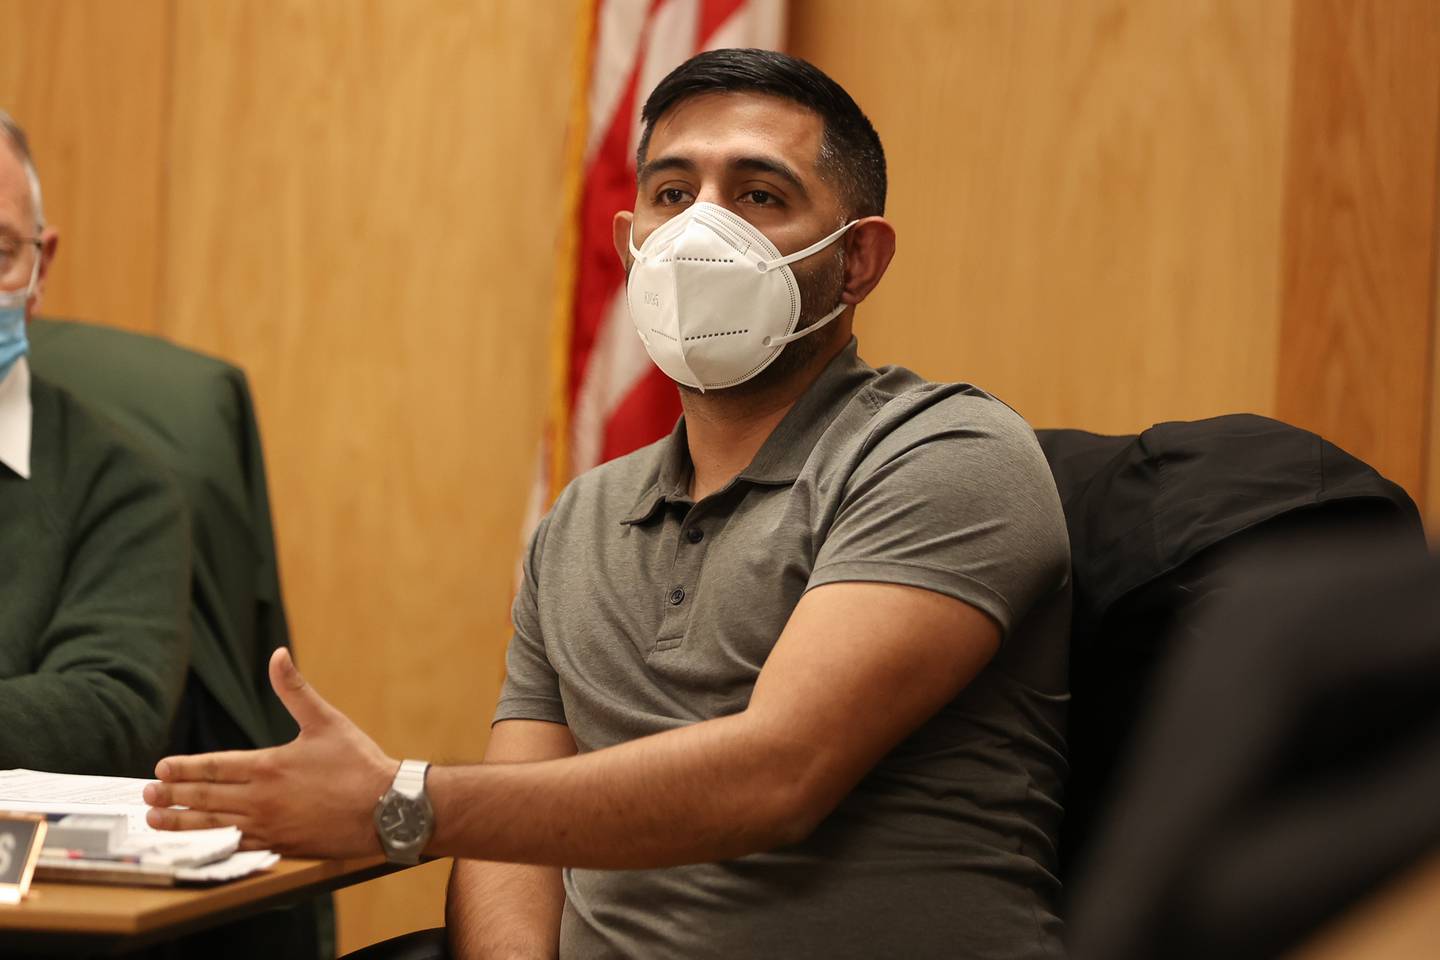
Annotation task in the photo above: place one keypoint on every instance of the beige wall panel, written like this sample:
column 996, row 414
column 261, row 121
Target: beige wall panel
column 1431, row 505
column 87, row 80
column 1087, row 196
column 1360, row 229
column 364, row 206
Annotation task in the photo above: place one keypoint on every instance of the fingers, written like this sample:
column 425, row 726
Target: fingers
column 211, row 797
column 250, row 837
column 231, row 766
column 304, row 703
column 163, row 818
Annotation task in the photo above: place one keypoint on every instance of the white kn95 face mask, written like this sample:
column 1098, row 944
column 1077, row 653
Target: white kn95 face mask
column 713, row 300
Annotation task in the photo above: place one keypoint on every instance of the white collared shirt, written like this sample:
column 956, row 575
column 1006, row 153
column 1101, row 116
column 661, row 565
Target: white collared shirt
column 15, row 419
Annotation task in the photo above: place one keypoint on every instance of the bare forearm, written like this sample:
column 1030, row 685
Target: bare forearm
column 830, row 703
column 710, row 791
column 504, row 911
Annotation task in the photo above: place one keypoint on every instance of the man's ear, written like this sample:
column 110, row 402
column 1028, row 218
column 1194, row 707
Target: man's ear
column 49, row 243
column 621, row 228
column 869, row 247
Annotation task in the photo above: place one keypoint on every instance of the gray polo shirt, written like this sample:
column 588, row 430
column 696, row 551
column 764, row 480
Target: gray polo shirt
column 642, row 611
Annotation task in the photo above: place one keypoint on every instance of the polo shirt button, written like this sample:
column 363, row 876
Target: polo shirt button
column 694, row 534
column 677, row 596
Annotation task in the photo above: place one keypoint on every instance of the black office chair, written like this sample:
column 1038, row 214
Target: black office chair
column 1158, row 524
column 420, row 945
column 194, row 414
column 1287, row 765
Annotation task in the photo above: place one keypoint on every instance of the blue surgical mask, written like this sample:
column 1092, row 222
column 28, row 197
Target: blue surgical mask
column 13, row 343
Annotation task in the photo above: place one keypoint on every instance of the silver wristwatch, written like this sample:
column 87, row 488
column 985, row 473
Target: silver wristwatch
column 403, row 817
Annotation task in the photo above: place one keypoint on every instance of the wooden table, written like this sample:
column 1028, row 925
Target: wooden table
column 96, row 918
column 1400, row 921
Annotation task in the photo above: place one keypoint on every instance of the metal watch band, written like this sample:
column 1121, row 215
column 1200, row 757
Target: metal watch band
column 410, row 779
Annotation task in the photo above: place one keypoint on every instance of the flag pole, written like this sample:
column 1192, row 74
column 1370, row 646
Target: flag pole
column 563, row 322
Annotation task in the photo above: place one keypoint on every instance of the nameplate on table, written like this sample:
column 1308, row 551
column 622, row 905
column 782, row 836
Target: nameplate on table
column 21, row 837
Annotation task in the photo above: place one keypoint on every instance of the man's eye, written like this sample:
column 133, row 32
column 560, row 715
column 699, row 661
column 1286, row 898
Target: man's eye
column 672, row 195
column 760, row 198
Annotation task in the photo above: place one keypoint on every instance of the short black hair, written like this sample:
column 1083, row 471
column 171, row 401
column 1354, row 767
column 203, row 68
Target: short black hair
column 850, row 149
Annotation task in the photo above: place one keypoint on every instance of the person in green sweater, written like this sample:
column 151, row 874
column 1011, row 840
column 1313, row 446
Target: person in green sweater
column 94, row 545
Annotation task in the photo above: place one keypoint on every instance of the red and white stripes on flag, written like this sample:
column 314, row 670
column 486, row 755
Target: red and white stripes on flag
column 607, row 397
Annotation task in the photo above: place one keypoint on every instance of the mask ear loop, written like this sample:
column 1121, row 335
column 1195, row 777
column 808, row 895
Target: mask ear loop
column 778, row 341
column 764, row 266
column 21, row 297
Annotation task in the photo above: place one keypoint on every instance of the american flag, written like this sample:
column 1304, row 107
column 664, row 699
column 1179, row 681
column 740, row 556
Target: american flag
column 607, row 397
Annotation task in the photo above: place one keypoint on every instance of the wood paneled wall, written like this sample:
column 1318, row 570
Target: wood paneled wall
column 1359, row 248
column 89, row 81
column 1087, row 197
column 362, row 210
column 1111, row 212
column 1432, row 468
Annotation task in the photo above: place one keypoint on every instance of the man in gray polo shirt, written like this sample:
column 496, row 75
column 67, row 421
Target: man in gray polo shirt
column 787, row 683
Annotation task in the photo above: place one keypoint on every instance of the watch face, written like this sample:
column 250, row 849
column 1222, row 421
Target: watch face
column 403, row 821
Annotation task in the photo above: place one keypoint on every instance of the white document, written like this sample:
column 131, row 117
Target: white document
column 71, row 788
column 189, row 848
column 32, row 791
column 231, row 868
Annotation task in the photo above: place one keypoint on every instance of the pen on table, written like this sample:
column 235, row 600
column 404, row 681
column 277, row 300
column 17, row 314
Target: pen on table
column 86, row 855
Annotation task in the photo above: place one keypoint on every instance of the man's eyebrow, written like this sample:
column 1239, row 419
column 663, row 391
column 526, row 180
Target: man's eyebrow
column 771, row 166
column 663, row 165
column 752, row 164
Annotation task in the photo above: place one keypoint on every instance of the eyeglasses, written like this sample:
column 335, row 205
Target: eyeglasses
column 19, row 261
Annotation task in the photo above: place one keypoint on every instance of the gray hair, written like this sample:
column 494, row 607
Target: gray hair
column 21, row 143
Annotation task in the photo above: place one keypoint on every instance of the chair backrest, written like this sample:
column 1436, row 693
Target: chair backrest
column 1157, row 521
column 194, row 413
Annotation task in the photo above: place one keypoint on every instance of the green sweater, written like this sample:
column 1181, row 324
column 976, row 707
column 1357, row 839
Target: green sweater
column 94, row 635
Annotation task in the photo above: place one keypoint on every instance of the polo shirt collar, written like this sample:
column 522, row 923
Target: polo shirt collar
column 16, row 418
column 673, row 482
column 783, row 454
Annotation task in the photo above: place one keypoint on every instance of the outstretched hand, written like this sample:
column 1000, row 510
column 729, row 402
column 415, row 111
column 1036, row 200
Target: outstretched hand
column 314, row 796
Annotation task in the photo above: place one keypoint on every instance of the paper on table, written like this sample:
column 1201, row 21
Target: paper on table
column 34, row 791
column 188, row 849
column 231, row 868
column 154, row 875
column 71, row 788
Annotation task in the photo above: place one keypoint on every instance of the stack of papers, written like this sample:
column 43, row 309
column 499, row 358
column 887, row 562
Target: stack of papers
column 144, row 855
